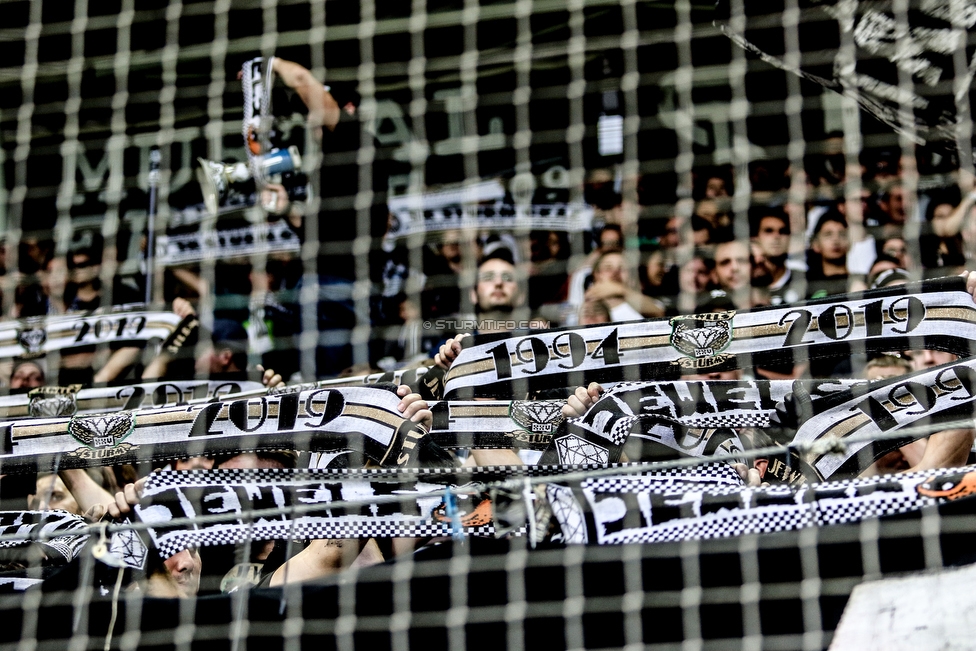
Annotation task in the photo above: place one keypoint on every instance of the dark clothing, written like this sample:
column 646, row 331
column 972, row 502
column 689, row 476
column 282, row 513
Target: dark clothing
column 343, row 177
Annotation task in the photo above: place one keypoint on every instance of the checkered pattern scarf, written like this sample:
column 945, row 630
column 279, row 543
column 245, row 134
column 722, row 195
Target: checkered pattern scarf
column 414, row 502
column 629, row 509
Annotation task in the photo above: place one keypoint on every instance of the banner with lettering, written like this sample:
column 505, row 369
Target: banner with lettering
column 937, row 314
column 53, row 401
column 35, row 336
column 362, row 419
column 351, row 503
column 628, row 509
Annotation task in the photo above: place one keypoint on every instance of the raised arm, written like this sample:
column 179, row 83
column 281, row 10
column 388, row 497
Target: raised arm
column 323, row 110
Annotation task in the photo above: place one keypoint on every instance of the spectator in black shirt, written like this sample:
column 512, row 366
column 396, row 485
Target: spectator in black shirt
column 349, row 229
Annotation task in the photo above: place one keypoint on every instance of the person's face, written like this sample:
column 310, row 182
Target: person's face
column 670, row 238
column 773, row 238
column 732, row 268
column 496, row 287
column 896, row 205
column 694, row 276
column 897, row 249
column 85, row 269
column 451, row 251
column 193, row 463
column 51, row 493
column 213, row 361
column 715, row 187
column 707, row 210
column 883, row 372
column 655, row 268
column 591, row 314
column 27, row 376
column 250, row 460
column 717, row 375
column 554, row 245
column 923, row 359
column 611, row 269
column 831, row 242
column 610, row 241
column 181, row 576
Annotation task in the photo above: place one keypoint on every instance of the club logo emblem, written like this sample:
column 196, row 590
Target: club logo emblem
column 537, row 416
column 32, row 339
column 52, row 402
column 102, row 434
column 701, row 337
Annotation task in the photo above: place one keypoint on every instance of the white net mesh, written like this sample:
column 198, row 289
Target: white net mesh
column 612, row 160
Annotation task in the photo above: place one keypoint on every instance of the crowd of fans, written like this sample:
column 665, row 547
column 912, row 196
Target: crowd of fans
column 701, row 256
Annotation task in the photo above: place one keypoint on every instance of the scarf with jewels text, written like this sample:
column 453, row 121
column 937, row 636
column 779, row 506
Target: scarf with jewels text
column 626, row 509
column 216, row 507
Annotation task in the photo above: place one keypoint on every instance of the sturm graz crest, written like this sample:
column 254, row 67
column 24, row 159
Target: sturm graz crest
column 102, row 434
column 702, row 335
column 32, row 339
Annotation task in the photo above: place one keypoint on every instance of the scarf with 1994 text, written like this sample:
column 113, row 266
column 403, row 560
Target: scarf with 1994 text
column 937, row 314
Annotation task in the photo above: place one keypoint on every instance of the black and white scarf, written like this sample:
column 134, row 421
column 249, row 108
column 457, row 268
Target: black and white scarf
column 857, row 416
column 363, row 419
column 296, row 504
column 225, row 244
column 257, row 79
column 52, row 402
column 61, row 535
column 35, row 336
column 809, row 418
column 936, row 314
column 629, row 509
column 194, row 508
column 570, row 217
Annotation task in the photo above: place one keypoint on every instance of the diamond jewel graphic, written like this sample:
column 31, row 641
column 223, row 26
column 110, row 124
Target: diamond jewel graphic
column 128, row 546
column 572, row 449
column 537, row 415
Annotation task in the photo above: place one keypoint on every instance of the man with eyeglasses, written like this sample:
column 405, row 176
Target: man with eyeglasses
column 498, row 299
column 770, row 249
